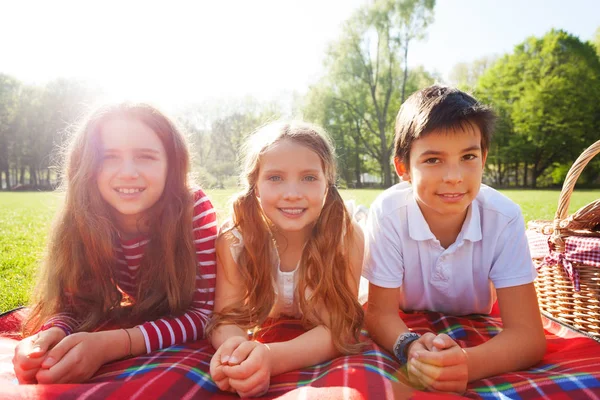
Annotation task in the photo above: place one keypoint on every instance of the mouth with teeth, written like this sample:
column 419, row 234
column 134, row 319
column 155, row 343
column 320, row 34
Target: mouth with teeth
column 451, row 197
column 122, row 190
column 292, row 212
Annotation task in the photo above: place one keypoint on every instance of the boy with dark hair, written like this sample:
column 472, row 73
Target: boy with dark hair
column 441, row 241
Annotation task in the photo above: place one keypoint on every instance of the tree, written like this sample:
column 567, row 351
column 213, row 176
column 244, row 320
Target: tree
column 465, row 75
column 367, row 75
column 9, row 91
column 217, row 130
column 596, row 41
column 548, row 96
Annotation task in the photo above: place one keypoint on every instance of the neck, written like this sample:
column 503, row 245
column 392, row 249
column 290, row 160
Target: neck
column 290, row 246
column 130, row 226
column 445, row 228
column 291, row 240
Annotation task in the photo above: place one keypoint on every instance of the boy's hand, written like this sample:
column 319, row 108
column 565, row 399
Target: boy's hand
column 222, row 358
column 75, row 359
column 444, row 368
column 31, row 352
column 252, row 376
column 424, row 343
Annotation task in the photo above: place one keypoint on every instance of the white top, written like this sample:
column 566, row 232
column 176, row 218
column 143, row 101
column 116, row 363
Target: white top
column 490, row 251
column 284, row 282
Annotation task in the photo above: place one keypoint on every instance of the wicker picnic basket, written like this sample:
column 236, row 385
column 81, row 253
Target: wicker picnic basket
column 566, row 253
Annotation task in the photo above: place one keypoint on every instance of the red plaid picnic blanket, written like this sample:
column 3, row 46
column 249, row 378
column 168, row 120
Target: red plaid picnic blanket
column 569, row 370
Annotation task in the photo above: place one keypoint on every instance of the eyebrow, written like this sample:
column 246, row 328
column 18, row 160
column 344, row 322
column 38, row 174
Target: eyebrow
column 437, row 153
column 279, row 171
column 142, row 150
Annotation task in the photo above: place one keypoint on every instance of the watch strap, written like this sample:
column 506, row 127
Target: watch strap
column 401, row 345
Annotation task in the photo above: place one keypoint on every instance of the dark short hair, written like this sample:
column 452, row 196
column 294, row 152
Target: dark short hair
column 439, row 107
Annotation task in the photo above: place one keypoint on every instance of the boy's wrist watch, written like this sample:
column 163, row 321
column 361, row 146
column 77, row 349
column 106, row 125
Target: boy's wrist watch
column 401, row 345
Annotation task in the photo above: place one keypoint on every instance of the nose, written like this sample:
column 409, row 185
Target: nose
column 128, row 169
column 292, row 191
column 454, row 174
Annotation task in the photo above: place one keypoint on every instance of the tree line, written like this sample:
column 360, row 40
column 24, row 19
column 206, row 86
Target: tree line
column 546, row 93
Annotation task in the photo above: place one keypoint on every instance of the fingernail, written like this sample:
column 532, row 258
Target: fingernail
column 48, row 362
column 233, row 360
column 36, row 349
column 224, row 359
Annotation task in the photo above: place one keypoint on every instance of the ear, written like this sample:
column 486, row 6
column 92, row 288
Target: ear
column 401, row 169
column 483, row 158
column 256, row 192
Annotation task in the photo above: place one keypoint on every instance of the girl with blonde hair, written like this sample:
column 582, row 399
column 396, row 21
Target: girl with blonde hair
column 290, row 250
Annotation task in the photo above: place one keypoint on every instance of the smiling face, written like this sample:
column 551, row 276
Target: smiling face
column 291, row 186
column 133, row 172
column 445, row 170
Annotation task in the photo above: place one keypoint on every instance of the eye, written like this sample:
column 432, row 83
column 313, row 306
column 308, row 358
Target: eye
column 274, row 178
column 109, row 157
column 432, row 161
column 147, row 157
column 310, row 178
column 469, row 157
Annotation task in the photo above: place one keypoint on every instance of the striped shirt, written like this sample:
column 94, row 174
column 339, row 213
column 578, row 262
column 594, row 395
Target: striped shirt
column 190, row 326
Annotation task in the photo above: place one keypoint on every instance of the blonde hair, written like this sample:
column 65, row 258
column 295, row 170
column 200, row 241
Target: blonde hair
column 78, row 273
column 325, row 263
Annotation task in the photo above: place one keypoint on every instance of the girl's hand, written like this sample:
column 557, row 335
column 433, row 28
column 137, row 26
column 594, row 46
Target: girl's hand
column 221, row 358
column 31, row 351
column 75, row 359
column 444, row 368
column 251, row 376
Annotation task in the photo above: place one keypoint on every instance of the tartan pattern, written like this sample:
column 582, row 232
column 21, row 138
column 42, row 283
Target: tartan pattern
column 570, row 369
column 578, row 249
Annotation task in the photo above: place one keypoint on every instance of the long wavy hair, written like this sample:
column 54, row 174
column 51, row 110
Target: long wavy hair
column 324, row 266
column 78, row 275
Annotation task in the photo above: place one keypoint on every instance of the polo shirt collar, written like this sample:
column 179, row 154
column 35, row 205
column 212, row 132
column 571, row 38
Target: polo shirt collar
column 471, row 229
column 418, row 228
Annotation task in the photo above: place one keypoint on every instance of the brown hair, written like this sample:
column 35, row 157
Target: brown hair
column 439, row 107
column 77, row 275
column 325, row 265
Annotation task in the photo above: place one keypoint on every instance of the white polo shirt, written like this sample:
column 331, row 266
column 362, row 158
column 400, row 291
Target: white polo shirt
column 490, row 251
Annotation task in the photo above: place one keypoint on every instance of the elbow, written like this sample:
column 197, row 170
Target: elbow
column 539, row 348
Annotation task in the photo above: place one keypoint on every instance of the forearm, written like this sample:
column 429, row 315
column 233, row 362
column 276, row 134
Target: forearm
column 384, row 328
column 224, row 332
column 510, row 350
column 116, row 343
column 310, row 348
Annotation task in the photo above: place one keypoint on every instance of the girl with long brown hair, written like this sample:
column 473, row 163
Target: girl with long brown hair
column 291, row 250
column 133, row 248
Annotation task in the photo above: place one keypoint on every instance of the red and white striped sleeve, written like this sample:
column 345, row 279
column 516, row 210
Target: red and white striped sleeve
column 190, row 326
column 63, row 321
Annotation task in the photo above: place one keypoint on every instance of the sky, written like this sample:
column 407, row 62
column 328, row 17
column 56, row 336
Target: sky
column 181, row 52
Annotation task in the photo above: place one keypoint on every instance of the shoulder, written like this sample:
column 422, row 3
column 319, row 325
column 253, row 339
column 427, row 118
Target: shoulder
column 229, row 240
column 357, row 239
column 200, row 198
column 392, row 199
column 493, row 202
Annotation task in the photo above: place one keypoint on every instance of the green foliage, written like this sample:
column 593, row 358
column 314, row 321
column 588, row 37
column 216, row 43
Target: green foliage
column 547, row 95
column 216, row 135
column 596, row 41
column 367, row 79
column 466, row 75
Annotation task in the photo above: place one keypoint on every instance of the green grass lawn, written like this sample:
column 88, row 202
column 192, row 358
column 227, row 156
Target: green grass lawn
column 25, row 219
